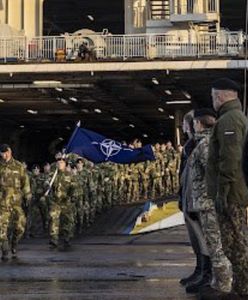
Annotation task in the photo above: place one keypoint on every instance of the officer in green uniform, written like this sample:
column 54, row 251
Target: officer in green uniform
column 225, row 180
column 15, row 192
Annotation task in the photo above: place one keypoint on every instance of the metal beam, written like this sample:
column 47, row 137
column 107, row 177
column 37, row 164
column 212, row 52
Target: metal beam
column 124, row 66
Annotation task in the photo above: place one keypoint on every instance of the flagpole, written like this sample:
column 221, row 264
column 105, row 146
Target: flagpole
column 63, row 156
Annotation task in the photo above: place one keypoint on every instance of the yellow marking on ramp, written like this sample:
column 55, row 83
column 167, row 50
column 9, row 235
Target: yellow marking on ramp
column 158, row 214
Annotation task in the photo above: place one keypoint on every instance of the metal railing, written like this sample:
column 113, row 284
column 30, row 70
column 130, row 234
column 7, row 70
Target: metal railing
column 194, row 7
column 120, row 47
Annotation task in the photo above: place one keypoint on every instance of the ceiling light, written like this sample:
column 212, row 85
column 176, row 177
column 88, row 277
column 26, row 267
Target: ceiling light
column 60, row 138
column 168, row 92
column 1, row 101
column 131, row 125
column 22, row 126
column 59, row 89
column 155, row 81
column 97, row 110
column 33, row 112
column 178, row 102
column 85, row 110
column 73, row 99
column 68, row 127
column 115, row 119
column 92, row 73
column 90, row 17
column 171, row 117
column 160, row 109
column 145, row 135
column 187, row 95
column 88, row 101
column 46, row 82
column 64, row 101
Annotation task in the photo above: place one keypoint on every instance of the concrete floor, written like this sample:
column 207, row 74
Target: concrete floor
column 101, row 267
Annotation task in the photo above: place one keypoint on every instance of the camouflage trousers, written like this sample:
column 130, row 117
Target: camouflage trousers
column 135, row 191
column 157, row 188
column 107, row 195
column 37, row 208
column 129, row 191
column 61, row 222
column 167, row 183
column 221, row 266
column 174, row 181
column 43, row 208
column 232, row 227
column 145, row 188
column 79, row 213
column 15, row 220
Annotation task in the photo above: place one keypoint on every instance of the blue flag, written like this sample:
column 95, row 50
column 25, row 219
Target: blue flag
column 98, row 149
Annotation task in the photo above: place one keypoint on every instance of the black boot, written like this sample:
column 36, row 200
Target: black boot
column 196, row 274
column 205, row 279
column 5, row 251
column 67, row 245
column 14, row 249
column 53, row 244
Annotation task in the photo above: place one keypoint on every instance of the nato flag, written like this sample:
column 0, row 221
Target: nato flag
column 99, row 149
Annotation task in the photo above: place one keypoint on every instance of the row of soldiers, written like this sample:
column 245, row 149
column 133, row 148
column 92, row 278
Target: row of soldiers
column 99, row 187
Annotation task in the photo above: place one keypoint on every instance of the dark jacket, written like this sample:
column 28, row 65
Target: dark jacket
column 245, row 160
column 187, row 150
column 225, row 178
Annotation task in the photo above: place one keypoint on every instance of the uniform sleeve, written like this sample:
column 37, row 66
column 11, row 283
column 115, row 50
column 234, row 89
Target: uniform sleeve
column 230, row 137
column 203, row 155
column 25, row 184
column 245, row 160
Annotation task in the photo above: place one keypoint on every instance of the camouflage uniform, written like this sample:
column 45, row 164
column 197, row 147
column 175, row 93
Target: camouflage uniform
column 84, row 202
column 61, row 208
column 43, row 203
column 108, row 177
column 129, row 183
column 78, row 204
column 122, row 183
column 172, row 166
column 221, row 266
column 166, row 180
column 156, row 177
column 14, row 186
column 39, row 204
column 116, row 196
column 134, row 186
column 145, row 179
column 93, row 183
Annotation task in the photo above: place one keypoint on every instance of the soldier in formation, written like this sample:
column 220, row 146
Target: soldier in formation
column 97, row 188
column 15, row 193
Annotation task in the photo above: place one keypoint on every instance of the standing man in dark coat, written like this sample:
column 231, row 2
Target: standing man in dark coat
column 225, row 180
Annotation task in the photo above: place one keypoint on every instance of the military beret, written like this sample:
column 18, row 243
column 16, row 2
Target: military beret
column 4, row 148
column 226, row 84
column 204, row 112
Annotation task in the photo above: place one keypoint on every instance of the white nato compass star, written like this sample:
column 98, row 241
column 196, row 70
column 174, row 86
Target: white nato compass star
column 110, row 148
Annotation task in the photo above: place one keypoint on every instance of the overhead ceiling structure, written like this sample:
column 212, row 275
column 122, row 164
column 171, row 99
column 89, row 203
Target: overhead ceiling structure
column 38, row 112
column 119, row 105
